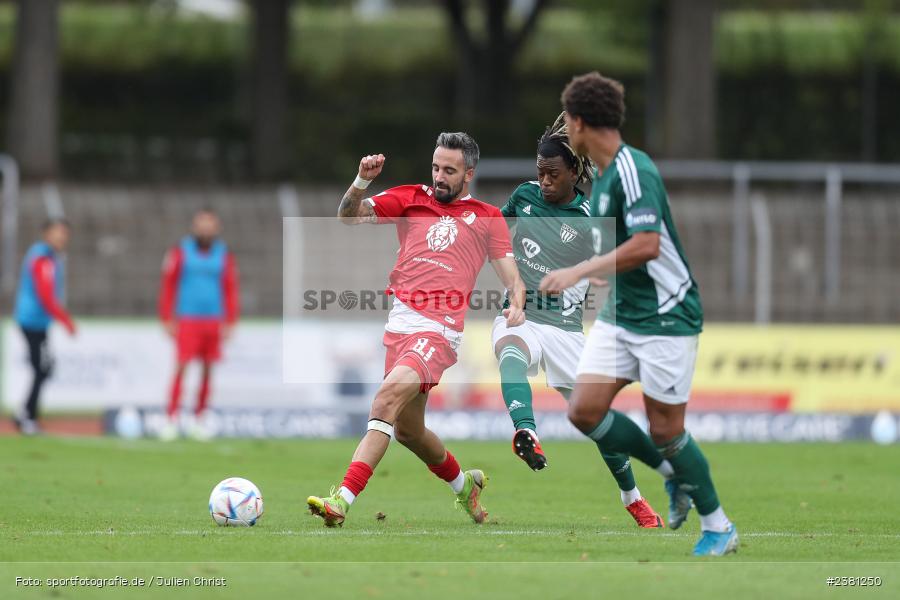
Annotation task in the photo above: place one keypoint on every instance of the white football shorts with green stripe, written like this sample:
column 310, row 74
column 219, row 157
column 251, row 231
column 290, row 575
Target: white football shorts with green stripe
column 555, row 350
column 664, row 364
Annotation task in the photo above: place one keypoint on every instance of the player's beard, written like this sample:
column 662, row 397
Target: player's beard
column 204, row 241
column 448, row 194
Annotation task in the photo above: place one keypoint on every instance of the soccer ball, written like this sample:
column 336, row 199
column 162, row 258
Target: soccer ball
column 236, row 502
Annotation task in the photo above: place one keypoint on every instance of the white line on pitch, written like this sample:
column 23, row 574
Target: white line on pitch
column 510, row 532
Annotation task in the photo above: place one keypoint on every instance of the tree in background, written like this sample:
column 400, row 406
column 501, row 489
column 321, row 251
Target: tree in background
column 876, row 14
column 689, row 78
column 34, row 114
column 486, row 62
column 680, row 83
column 269, row 96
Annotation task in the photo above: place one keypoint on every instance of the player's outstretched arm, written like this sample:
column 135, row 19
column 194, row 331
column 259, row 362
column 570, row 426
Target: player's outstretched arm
column 640, row 249
column 508, row 273
column 352, row 210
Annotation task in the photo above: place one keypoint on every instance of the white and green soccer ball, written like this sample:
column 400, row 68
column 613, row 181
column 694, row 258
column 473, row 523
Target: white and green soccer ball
column 236, row 502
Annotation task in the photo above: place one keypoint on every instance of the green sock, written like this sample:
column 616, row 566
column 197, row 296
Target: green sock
column 515, row 387
column 617, row 433
column 692, row 469
column 620, row 467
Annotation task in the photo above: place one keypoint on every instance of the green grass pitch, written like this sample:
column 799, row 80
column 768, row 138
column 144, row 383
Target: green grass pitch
column 97, row 507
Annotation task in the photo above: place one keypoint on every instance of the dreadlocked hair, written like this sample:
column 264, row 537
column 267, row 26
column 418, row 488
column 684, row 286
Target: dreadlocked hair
column 555, row 142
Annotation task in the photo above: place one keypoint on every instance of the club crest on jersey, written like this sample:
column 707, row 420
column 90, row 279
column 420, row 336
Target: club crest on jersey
column 567, row 233
column 604, row 203
column 530, row 247
column 442, row 234
column 468, row 217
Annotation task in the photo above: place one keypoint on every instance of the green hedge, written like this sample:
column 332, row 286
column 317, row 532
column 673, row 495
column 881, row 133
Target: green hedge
column 789, row 87
column 136, row 37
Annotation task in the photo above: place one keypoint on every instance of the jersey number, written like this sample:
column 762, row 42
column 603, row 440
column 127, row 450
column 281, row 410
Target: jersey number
column 420, row 348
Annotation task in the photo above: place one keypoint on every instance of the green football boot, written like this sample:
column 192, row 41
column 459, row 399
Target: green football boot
column 471, row 493
column 332, row 509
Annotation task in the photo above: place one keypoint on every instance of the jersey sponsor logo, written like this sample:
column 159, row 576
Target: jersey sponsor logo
column 636, row 218
column 527, row 210
column 604, row 203
column 533, row 265
column 530, row 247
column 442, row 234
column 567, row 233
column 468, row 217
column 431, row 261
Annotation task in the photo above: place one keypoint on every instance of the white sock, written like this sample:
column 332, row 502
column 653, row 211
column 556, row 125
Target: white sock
column 459, row 483
column 665, row 469
column 631, row 496
column 715, row 521
column 347, row 495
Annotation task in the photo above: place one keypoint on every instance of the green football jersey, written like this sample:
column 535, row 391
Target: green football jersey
column 660, row 297
column 548, row 237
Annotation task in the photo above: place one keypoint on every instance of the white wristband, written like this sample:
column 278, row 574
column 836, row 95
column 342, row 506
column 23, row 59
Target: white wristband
column 360, row 183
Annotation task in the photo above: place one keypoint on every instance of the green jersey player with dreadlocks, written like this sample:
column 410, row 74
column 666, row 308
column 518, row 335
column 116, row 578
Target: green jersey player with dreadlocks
column 553, row 231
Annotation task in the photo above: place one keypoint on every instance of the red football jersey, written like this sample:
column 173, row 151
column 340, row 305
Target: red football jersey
column 442, row 249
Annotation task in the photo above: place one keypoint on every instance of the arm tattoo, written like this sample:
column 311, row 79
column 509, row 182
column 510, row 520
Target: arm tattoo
column 353, row 210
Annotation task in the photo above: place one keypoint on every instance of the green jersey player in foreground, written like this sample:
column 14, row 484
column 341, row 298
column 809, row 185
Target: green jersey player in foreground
column 552, row 231
column 648, row 328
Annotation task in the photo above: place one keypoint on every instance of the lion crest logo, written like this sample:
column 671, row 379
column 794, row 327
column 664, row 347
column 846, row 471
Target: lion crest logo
column 442, row 234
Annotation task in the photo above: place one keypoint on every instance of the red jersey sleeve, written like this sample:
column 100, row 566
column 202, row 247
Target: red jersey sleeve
column 499, row 244
column 230, row 289
column 171, row 270
column 389, row 204
column 43, row 273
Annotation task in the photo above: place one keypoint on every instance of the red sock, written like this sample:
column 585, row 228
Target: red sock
column 175, row 394
column 447, row 470
column 357, row 477
column 203, row 394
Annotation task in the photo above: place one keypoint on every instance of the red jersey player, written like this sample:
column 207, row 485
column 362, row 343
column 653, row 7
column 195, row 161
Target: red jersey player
column 445, row 236
column 198, row 303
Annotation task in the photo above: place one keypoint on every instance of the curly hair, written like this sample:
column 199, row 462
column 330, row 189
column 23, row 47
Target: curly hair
column 555, row 142
column 598, row 100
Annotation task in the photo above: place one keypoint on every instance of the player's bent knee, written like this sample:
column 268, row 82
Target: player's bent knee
column 511, row 340
column 408, row 435
column 584, row 418
column 660, row 434
column 388, row 405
